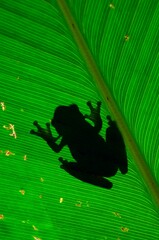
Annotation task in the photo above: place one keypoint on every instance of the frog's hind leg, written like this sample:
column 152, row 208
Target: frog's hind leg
column 116, row 146
column 74, row 169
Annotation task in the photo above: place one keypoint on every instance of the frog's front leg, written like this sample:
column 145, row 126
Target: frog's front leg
column 76, row 171
column 47, row 136
column 44, row 133
column 95, row 115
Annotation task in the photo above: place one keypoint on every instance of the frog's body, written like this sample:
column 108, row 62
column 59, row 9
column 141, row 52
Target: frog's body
column 95, row 157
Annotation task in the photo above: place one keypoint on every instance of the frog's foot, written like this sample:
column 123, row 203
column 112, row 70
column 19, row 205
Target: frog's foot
column 74, row 169
column 68, row 165
column 111, row 123
column 64, row 162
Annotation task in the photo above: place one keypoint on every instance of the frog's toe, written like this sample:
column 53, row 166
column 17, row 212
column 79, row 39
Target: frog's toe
column 89, row 103
column 35, row 123
column 32, row 132
column 99, row 103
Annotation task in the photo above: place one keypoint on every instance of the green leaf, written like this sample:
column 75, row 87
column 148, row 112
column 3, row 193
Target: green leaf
column 62, row 52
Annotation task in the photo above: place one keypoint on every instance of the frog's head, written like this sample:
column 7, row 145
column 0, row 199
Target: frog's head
column 66, row 117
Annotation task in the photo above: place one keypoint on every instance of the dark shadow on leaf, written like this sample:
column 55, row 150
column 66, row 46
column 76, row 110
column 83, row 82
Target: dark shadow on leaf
column 95, row 158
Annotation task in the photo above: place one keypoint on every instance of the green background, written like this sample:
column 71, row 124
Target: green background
column 40, row 68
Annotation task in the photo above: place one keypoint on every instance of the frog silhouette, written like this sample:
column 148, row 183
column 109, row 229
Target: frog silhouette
column 96, row 159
